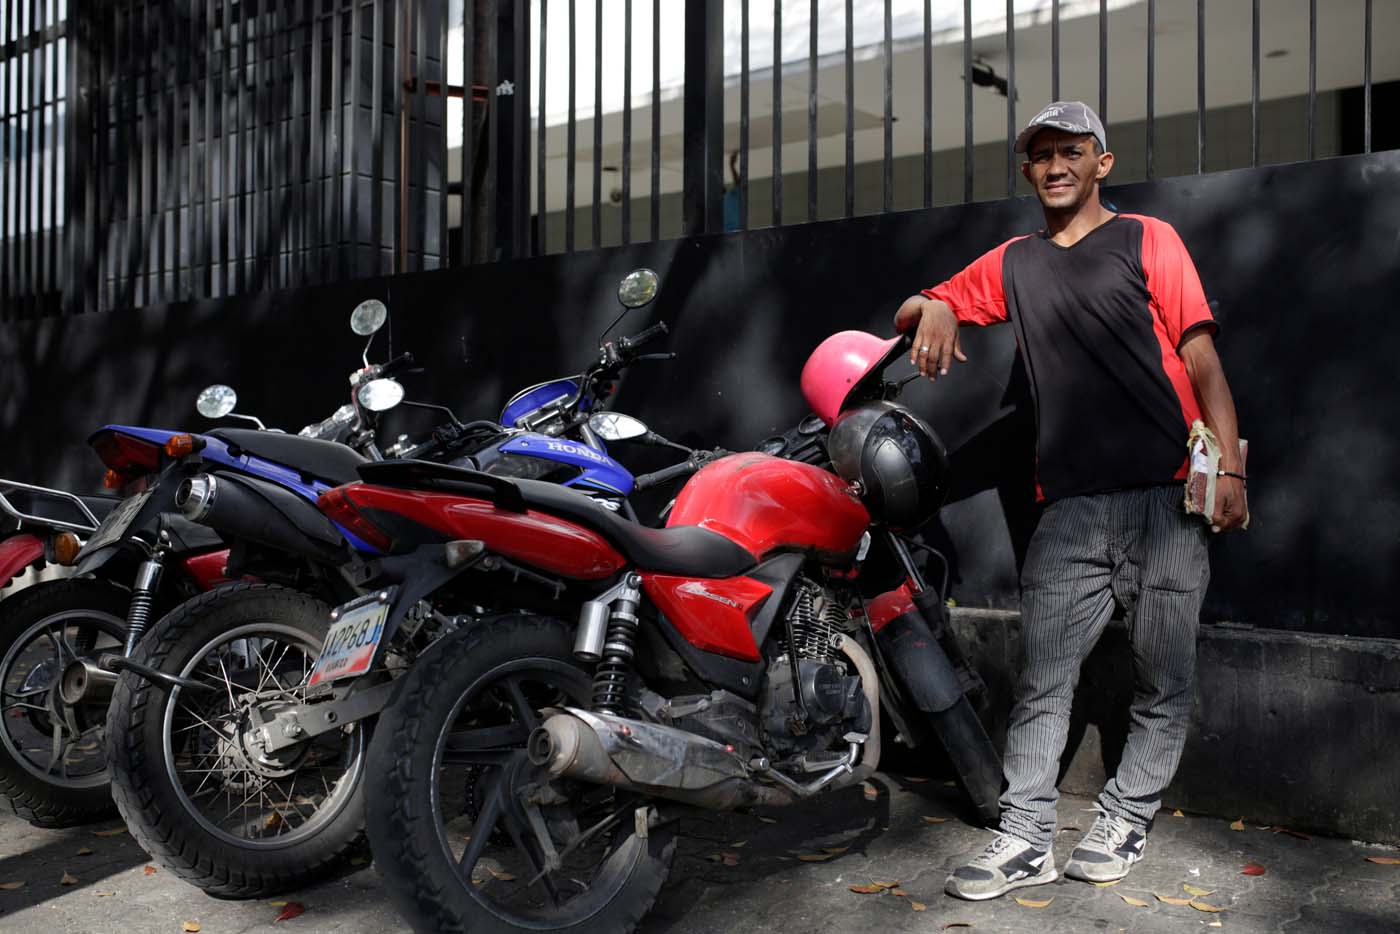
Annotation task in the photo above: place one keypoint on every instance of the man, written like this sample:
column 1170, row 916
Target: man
column 1113, row 327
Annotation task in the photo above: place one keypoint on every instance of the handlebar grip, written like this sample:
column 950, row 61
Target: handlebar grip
column 649, row 334
column 402, row 361
column 648, row 480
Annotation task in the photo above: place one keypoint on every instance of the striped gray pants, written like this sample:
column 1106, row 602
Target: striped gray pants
column 1137, row 549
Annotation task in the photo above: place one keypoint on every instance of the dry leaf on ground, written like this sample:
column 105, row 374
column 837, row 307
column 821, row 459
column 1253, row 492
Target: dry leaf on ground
column 814, row 857
column 729, row 859
column 84, row 851
column 835, row 850
column 1252, row 868
column 1292, row 833
column 1172, row 900
column 1383, row 860
column 768, row 820
column 871, row 889
column 148, row 870
column 957, row 924
column 68, row 878
column 871, row 791
column 1177, row 813
column 1202, row 906
column 190, row 927
column 11, row 886
column 1196, row 890
column 500, row 875
column 290, row 911
column 278, row 904
column 1135, row 902
column 915, row 779
column 1238, row 825
column 935, row 820
column 105, row 894
column 899, row 893
column 113, row 832
column 1215, row 924
column 739, row 844
column 1104, row 885
column 1032, row 903
column 917, row 906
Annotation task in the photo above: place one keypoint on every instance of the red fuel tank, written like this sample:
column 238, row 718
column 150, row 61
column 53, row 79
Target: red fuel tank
column 768, row 504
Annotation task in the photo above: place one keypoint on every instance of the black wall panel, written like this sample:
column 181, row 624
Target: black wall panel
column 1303, row 259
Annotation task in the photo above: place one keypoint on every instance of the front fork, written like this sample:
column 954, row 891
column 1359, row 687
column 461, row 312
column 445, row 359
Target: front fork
column 933, row 608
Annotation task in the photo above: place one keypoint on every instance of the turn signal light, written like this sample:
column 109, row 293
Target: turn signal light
column 113, row 480
column 65, row 548
column 183, row 445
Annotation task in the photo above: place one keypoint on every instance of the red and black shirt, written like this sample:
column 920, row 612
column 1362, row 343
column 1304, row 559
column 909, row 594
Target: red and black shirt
column 1098, row 325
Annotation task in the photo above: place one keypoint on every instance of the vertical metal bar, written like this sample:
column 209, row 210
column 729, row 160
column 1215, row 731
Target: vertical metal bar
column 1254, row 84
column 401, row 106
column 626, row 121
column 812, row 111
column 1366, row 72
column 227, row 135
column 263, row 245
column 1200, row 86
column 376, row 119
column 301, row 154
column 175, row 169
column 967, row 100
column 777, row 113
column 33, row 136
column 541, row 201
column 335, row 146
column 416, row 235
column 316, row 167
column 52, row 56
column 1011, row 98
column 655, row 120
column 928, row 103
column 598, row 124
column 40, row 51
column 444, row 244
column 468, row 123
column 1055, row 49
column 149, row 154
column 571, row 134
column 703, row 130
column 135, row 170
column 1151, row 83
column 850, row 181
column 6, row 195
column 207, row 75
column 888, row 164
column 1312, row 79
column 743, row 180
column 1103, row 61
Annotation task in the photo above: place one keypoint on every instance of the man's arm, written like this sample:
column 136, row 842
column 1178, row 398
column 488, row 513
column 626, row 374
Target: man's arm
column 1207, row 377
column 935, row 327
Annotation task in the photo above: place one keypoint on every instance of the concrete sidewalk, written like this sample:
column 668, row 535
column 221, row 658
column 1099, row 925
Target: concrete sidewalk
column 880, row 834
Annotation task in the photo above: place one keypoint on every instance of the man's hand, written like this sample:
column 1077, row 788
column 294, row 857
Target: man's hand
column 935, row 328
column 1231, row 504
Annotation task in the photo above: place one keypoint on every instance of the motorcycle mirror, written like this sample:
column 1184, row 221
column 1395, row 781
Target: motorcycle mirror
column 614, row 426
column 379, row 395
column 369, row 316
column 215, row 401
column 638, row 288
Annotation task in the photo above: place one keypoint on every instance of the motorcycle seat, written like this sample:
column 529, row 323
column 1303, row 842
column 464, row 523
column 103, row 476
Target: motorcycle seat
column 687, row 550
column 324, row 460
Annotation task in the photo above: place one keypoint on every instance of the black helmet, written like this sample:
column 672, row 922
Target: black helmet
column 900, row 464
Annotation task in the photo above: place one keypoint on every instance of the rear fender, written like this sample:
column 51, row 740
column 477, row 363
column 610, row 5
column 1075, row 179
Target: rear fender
column 415, row 575
column 17, row 553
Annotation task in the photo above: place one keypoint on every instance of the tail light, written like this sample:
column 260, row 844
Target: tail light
column 127, row 455
column 341, row 509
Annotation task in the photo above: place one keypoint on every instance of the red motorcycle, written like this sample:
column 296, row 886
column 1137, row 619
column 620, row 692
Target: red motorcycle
column 527, row 772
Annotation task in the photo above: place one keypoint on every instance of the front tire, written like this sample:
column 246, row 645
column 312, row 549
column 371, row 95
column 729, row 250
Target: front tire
column 974, row 758
column 180, row 759
column 469, row 704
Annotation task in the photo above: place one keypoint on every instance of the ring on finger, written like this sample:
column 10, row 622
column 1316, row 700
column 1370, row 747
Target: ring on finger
column 924, row 349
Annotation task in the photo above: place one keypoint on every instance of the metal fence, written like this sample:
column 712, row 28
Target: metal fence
column 219, row 147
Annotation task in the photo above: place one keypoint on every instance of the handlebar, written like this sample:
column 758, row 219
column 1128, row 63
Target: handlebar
column 684, row 469
column 402, row 362
column 628, row 344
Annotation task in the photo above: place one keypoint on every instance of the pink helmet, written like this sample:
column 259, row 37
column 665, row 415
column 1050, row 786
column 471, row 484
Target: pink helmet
column 840, row 365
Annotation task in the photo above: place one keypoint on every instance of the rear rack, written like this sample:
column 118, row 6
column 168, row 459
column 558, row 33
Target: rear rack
column 38, row 494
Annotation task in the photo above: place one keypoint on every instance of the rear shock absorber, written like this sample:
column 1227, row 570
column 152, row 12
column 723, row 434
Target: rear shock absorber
column 615, row 666
column 143, row 595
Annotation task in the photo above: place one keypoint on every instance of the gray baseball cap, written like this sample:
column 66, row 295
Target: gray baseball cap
column 1070, row 116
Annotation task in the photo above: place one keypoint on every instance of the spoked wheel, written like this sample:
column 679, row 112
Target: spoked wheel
column 53, row 759
column 468, row 834
column 190, row 771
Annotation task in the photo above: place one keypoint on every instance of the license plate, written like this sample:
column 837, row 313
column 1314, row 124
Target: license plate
column 354, row 635
column 115, row 525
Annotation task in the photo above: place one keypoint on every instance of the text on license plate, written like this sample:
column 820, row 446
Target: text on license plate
column 351, row 641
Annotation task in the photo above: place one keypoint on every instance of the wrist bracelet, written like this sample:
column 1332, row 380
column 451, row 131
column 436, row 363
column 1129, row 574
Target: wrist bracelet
column 1230, row 473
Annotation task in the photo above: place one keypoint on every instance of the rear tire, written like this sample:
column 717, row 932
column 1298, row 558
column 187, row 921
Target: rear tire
column 42, row 801
column 161, row 812
column 974, row 758
column 406, row 781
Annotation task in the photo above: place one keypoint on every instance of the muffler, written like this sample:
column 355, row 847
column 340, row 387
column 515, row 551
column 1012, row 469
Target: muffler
column 665, row 762
column 239, row 507
column 84, row 682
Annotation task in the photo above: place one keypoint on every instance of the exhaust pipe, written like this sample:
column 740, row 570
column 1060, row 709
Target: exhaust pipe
column 239, row 507
column 84, row 682
column 664, row 762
